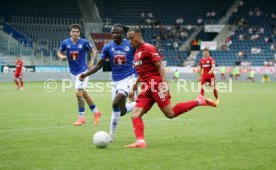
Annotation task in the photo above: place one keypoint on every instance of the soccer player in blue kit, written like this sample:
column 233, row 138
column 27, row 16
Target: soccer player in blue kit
column 120, row 54
column 76, row 49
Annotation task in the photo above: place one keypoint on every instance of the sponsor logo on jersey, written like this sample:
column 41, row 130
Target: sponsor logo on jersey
column 206, row 65
column 80, row 46
column 126, row 48
column 68, row 46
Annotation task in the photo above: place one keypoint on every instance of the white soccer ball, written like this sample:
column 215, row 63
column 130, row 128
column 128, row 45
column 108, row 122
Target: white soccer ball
column 101, row 139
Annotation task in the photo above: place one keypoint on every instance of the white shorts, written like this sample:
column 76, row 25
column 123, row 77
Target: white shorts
column 123, row 85
column 79, row 85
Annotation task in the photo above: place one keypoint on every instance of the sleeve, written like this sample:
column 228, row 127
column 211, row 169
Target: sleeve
column 154, row 55
column 62, row 47
column 104, row 53
column 88, row 46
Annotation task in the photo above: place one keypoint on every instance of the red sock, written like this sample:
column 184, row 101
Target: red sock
column 21, row 83
column 16, row 82
column 138, row 126
column 202, row 91
column 216, row 93
column 180, row 108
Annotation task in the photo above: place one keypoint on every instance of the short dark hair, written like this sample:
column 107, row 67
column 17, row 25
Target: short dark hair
column 75, row 26
column 137, row 30
column 125, row 29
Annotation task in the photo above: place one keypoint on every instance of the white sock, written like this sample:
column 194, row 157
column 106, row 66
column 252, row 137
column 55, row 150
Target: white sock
column 93, row 108
column 114, row 122
column 81, row 114
column 130, row 106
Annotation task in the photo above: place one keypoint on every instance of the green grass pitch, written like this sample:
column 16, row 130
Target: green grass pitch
column 36, row 132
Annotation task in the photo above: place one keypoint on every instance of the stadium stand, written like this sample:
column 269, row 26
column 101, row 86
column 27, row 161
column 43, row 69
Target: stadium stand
column 167, row 24
column 255, row 34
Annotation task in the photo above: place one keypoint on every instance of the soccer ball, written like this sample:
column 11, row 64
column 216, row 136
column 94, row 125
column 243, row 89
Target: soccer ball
column 101, row 139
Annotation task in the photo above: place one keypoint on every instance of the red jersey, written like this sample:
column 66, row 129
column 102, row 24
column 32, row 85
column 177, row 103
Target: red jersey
column 144, row 59
column 19, row 67
column 206, row 65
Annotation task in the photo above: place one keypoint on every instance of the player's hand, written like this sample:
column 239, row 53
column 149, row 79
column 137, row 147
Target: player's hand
column 64, row 58
column 164, row 88
column 131, row 96
column 82, row 76
column 210, row 72
column 90, row 66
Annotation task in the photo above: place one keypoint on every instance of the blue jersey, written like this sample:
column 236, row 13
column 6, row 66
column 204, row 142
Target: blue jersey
column 76, row 54
column 121, row 58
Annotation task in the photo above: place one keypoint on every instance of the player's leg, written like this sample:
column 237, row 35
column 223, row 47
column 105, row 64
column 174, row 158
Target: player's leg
column 79, row 90
column 170, row 112
column 92, row 106
column 202, row 82
column 138, row 126
column 143, row 103
column 15, row 81
column 81, row 109
column 116, row 112
column 215, row 92
column 21, row 82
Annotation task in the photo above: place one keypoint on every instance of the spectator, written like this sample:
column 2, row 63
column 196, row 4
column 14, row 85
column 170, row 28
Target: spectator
column 142, row 18
column 179, row 21
column 272, row 47
column 266, row 63
column 262, row 30
column 175, row 45
column 268, row 40
column 199, row 21
column 149, row 15
column 213, row 14
column 250, row 30
column 270, row 63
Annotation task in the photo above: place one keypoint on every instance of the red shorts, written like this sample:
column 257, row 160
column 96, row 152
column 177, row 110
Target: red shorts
column 17, row 75
column 210, row 80
column 150, row 95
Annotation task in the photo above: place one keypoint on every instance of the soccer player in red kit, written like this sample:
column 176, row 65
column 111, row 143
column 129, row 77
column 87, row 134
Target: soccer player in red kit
column 18, row 73
column 152, row 75
column 207, row 67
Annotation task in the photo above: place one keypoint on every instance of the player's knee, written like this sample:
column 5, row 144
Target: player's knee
column 115, row 104
column 80, row 99
column 169, row 115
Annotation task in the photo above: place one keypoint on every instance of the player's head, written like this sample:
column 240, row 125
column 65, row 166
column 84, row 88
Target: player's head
column 206, row 52
column 17, row 57
column 135, row 37
column 75, row 30
column 117, row 31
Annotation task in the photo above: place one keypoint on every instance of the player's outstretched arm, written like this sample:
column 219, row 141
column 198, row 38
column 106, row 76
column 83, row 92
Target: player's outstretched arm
column 93, row 55
column 93, row 70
